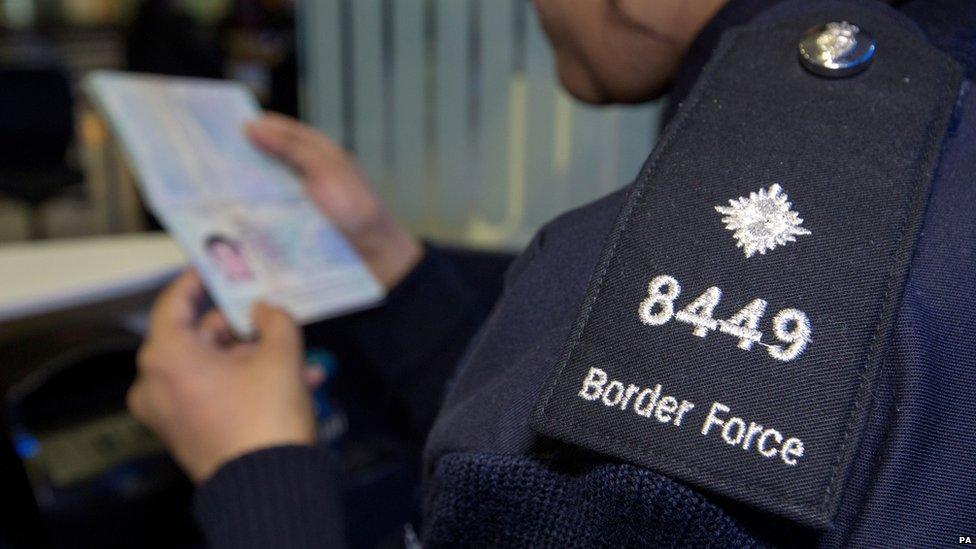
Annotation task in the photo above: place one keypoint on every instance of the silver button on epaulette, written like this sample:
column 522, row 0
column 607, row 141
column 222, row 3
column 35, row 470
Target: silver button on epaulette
column 837, row 49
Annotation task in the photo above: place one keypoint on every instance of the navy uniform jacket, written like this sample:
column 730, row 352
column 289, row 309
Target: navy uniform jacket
column 498, row 473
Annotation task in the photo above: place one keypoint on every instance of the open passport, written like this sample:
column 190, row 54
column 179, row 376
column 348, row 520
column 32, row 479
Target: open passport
column 242, row 217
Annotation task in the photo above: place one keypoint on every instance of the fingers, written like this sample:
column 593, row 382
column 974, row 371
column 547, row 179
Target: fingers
column 135, row 401
column 176, row 307
column 145, row 405
column 314, row 376
column 304, row 149
column 215, row 328
column 277, row 332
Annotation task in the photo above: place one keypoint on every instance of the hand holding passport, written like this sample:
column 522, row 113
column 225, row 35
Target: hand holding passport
column 243, row 218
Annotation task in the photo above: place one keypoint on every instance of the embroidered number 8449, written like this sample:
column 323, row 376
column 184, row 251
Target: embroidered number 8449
column 790, row 326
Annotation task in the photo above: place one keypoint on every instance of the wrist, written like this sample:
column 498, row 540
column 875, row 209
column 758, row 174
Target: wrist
column 390, row 252
column 202, row 471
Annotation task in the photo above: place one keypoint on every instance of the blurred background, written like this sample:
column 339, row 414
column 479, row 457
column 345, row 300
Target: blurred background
column 452, row 107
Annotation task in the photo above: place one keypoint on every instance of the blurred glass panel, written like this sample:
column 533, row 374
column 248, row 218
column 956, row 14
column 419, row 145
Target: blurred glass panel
column 453, row 142
column 455, row 110
column 320, row 53
column 409, row 148
column 366, row 70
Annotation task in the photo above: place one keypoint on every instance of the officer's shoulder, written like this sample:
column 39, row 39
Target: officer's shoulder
column 576, row 236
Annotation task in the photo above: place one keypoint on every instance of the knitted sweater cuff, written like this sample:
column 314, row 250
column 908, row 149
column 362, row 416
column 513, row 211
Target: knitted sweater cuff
column 286, row 496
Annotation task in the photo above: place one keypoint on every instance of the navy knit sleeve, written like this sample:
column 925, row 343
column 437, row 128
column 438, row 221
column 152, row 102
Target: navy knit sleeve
column 287, row 496
column 420, row 333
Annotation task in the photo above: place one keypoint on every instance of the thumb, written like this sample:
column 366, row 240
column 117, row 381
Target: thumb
column 304, row 149
column 277, row 331
column 266, row 134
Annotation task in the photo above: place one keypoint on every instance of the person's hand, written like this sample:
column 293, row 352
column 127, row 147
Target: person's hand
column 211, row 398
column 337, row 185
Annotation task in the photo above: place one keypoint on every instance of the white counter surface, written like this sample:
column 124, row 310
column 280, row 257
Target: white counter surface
column 39, row 277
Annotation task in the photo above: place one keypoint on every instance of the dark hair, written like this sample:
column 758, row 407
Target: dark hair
column 215, row 239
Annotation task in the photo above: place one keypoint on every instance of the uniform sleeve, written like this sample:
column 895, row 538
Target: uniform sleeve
column 417, row 337
column 286, row 496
